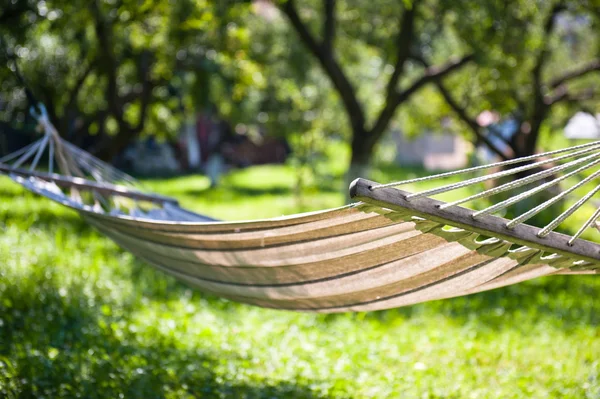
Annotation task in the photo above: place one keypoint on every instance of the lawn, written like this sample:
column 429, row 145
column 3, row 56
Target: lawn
column 80, row 317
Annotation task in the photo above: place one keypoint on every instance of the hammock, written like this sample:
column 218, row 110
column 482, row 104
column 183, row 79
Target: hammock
column 391, row 248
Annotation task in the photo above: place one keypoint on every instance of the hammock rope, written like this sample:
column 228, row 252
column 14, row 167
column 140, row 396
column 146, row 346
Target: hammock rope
column 484, row 167
column 498, row 175
column 527, row 180
column 19, row 152
column 578, row 152
column 392, row 248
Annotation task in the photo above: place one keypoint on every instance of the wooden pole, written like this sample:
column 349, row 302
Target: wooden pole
column 84, row 184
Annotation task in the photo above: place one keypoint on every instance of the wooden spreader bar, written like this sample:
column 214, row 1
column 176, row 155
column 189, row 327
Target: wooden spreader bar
column 84, row 184
column 487, row 225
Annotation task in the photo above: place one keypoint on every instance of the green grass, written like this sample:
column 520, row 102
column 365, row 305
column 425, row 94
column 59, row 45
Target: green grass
column 79, row 317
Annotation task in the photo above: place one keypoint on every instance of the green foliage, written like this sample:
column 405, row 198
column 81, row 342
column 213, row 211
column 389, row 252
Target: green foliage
column 80, row 317
column 119, row 68
column 251, row 65
column 511, row 42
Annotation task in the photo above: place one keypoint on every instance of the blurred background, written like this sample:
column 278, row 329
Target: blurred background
column 258, row 108
column 166, row 88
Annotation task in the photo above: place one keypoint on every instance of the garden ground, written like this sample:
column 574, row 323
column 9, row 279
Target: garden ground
column 80, row 317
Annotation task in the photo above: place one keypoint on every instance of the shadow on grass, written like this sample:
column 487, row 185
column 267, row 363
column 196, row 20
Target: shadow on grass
column 160, row 287
column 235, row 191
column 58, row 342
column 8, row 194
column 564, row 301
column 46, row 219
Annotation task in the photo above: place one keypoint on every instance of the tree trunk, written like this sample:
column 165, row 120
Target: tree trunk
column 524, row 143
column 361, row 152
column 111, row 146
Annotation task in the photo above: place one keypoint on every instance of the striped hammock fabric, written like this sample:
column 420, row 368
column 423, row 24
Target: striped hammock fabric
column 389, row 249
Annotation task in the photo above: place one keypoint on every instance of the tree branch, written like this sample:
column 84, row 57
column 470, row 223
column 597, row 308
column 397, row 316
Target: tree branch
column 406, row 35
column 431, row 74
column 108, row 61
column 540, row 108
column 289, row 8
column 543, row 54
column 330, row 65
column 461, row 112
column 14, row 11
column 575, row 73
column 563, row 95
column 329, row 25
column 72, row 97
column 144, row 64
column 435, row 73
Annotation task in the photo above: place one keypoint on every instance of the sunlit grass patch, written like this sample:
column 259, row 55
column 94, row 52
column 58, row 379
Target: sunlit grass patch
column 81, row 317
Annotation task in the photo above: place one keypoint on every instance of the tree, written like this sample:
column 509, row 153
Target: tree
column 532, row 59
column 404, row 16
column 294, row 100
column 111, row 71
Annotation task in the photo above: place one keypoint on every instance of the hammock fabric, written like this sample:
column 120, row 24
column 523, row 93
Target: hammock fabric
column 389, row 249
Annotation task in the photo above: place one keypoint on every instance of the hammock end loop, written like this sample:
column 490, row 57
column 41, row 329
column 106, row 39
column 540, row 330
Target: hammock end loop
column 38, row 111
